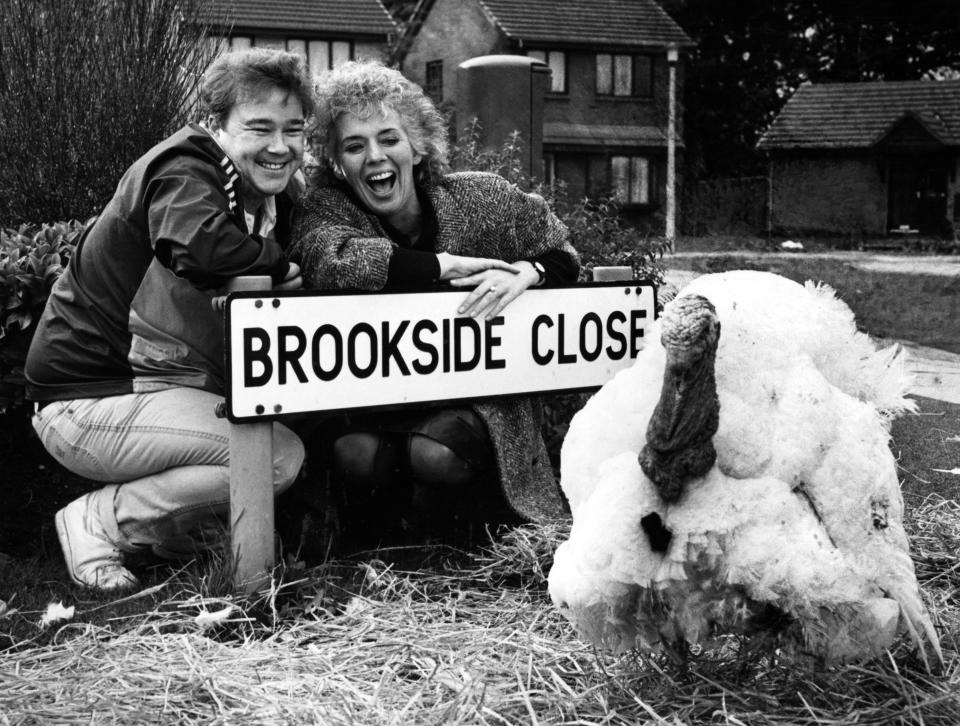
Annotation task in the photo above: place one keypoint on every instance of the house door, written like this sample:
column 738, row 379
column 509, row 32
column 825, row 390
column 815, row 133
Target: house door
column 917, row 193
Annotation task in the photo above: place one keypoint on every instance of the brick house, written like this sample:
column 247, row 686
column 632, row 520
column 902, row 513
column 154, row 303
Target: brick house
column 327, row 32
column 605, row 116
column 866, row 159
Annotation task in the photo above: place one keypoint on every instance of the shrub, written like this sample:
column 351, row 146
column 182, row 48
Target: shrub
column 31, row 260
column 86, row 88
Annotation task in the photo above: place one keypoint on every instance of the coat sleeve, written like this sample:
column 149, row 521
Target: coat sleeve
column 337, row 247
column 538, row 230
column 194, row 234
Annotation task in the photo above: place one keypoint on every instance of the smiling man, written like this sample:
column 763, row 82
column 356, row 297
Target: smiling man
column 126, row 366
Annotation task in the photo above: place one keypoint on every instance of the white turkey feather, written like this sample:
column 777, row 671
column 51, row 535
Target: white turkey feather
column 800, row 512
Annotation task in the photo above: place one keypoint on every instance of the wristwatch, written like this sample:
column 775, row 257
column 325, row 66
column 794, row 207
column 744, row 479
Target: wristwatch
column 541, row 272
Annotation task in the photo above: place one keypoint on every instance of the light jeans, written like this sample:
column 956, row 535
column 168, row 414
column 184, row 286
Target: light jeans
column 165, row 455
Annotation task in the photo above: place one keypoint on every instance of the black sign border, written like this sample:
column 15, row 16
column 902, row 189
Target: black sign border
column 279, row 294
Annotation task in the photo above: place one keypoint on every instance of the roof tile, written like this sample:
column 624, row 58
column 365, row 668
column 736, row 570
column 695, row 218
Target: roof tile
column 354, row 17
column 630, row 23
column 857, row 115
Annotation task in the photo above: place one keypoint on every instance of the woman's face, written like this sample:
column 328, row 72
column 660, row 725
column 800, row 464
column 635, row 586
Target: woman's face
column 376, row 159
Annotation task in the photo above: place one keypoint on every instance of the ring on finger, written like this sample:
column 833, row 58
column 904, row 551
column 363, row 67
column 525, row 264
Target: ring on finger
column 493, row 289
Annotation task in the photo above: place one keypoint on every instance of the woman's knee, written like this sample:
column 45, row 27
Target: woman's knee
column 437, row 465
column 364, row 459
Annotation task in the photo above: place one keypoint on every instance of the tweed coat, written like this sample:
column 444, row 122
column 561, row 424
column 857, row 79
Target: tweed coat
column 339, row 244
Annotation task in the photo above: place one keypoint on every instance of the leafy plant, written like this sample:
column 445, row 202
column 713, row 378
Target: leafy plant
column 31, row 260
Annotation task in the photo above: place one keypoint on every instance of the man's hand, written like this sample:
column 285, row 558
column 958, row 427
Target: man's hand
column 293, row 279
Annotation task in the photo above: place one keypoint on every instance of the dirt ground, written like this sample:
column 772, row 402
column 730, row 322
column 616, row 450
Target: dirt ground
column 900, row 297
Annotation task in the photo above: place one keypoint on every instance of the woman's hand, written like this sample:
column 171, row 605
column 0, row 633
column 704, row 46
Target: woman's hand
column 454, row 267
column 495, row 289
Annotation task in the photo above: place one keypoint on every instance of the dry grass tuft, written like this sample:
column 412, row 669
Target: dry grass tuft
column 466, row 640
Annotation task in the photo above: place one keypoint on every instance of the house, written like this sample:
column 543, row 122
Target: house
column 866, row 159
column 326, row 32
column 606, row 112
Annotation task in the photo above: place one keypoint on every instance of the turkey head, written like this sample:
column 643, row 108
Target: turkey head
column 680, row 433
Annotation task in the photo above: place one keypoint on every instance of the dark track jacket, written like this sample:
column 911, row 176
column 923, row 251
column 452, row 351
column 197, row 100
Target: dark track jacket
column 132, row 311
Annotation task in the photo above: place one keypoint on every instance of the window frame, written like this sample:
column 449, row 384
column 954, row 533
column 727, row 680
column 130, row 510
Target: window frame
column 536, row 54
column 433, row 80
column 636, row 65
column 333, row 50
column 634, row 197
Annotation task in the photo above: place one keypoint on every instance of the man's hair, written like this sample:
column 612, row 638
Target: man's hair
column 368, row 88
column 241, row 74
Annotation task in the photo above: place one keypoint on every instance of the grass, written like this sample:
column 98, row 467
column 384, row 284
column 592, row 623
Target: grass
column 465, row 638
column 436, row 636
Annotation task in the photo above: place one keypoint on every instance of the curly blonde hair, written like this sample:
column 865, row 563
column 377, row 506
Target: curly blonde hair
column 365, row 88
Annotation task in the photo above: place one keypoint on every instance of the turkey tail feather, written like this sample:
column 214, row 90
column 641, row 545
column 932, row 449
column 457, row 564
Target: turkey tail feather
column 918, row 625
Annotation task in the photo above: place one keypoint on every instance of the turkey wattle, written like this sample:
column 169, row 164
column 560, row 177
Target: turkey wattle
column 738, row 479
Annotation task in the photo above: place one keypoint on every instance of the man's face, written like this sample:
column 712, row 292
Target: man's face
column 263, row 136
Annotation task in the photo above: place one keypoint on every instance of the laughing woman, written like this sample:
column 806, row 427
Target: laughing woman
column 384, row 212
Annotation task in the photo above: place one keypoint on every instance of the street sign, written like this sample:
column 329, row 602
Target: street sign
column 298, row 352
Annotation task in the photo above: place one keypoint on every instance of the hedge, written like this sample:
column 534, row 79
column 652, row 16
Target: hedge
column 31, row 260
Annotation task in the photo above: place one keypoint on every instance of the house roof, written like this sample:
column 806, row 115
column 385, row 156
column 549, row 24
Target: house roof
column 353, row 17
column 624, row 23
column 859, row 115
column 586, row 22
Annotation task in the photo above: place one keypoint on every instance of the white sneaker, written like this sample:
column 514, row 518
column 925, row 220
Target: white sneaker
column 93, row 560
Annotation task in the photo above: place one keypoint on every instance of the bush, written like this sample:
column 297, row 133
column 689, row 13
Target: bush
column 31, row 260
column 86, row 88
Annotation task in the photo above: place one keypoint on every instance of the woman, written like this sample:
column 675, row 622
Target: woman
column 384, row 213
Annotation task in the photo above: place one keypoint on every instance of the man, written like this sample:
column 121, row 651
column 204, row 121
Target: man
column 127, row 363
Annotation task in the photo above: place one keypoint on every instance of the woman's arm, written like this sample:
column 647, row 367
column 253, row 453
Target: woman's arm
column 538, row 236
column 336, row 252
column 337, row 245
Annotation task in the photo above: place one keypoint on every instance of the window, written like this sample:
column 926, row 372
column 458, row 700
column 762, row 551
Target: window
column 624, row 75
column 240, row 42
column 434, row 80
column 556, row 60
column 630, row 179
column 298, row 46
column 269, row 41
column 321, row 55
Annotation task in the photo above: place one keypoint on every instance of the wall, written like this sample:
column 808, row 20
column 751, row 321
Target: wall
column 841, row 193
column 581, row 104
column 368, row 50
column 454, row 31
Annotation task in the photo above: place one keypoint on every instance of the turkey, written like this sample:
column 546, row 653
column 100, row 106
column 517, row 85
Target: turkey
column 753, row 492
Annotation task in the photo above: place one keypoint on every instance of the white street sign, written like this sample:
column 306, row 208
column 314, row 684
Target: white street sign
column 300, row 352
